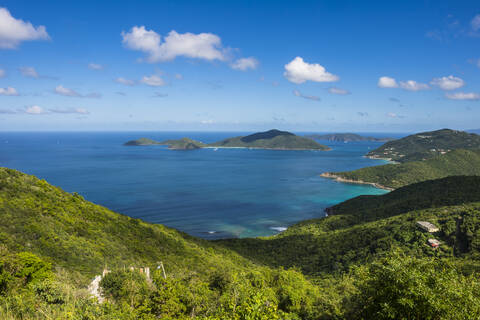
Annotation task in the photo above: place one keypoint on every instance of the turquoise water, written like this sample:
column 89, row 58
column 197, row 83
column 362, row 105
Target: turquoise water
column 206, row 193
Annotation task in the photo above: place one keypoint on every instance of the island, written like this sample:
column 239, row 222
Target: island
column 417, row 158
column 346, row 137
column 272, row 140
column 425, row 145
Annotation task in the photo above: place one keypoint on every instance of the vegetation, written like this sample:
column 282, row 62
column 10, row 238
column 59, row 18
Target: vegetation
column 272, row 139
column 367, row 259
column 346, row 137
column 457, row 162
column 426, row 145
column 142, row 142
column 180, row 144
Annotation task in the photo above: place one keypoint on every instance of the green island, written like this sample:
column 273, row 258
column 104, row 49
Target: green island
column 272, row 139
column 425, row 145
column 441, row 160
column 346, row 137
column 367, row 259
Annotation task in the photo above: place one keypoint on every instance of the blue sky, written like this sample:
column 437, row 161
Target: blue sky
column 393, row 66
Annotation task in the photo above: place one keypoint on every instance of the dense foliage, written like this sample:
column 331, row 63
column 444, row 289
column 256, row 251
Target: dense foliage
column 359, row 266
column 458, row 162
column 346, row 137
column 426, row 145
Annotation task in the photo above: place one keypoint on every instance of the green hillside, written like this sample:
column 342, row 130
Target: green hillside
column 183, row 144
column 367, row 260
column 426, row 145
column 272, row 139
column 367, row 227
column 457, row 162
column 142, row 142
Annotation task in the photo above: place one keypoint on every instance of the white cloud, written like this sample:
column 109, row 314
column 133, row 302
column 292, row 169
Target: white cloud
column 387, row 82
column 243, row 64
column 153, row 80
column 206, row 46
column 463, row 96
column 14, row 31
column 8, row 91
column 412, row 85
column 298, row 71
column 95, row 66
column 124, row 81
column 70, row 111
column 448, row 83
column 61, row 90
column 34, row 110
column 299, row 94
column 29, row 72
column 339, row 91
column 2, row 73
column 475, row 23
column 178, row 76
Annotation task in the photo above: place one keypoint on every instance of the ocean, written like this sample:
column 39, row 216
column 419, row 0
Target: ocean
column 206, row 193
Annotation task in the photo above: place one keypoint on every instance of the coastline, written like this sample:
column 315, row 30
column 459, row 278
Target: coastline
column 260, row 148
column 329, row 175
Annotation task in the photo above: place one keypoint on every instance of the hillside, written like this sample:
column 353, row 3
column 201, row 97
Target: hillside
column 457, row 162
column 425, row 145
column 179, row 144
column 346, row 137
column 368, row 227
column 142, row 142
column 53, row 243
column 272, row 139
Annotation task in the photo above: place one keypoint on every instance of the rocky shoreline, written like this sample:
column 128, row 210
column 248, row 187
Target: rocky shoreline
column 341, row 179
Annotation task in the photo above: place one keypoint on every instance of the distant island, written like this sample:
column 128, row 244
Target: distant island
column 425, row 145
column 346, row 137
column 419, row 157
column 272, row 139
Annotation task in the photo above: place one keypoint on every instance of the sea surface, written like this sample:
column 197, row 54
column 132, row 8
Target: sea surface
column 207, row 193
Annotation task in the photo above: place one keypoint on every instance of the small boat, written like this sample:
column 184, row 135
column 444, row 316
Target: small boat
column 215, row 149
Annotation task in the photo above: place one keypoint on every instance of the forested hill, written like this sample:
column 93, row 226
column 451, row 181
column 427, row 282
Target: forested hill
column 368, row 227
column 426, row 145
column 457, row 162
column 53, row 242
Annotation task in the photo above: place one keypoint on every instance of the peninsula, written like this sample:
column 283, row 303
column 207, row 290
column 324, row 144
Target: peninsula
column 272, row 139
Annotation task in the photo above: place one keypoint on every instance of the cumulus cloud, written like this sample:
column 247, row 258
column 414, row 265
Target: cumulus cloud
column 70, row 111
column 463, row 96
column 34, row 110
column 387, row 82
column 299, row 71
column 339, row 91
column 153, row 81
column 67, row 92
column 2, row 73
column 8, row 91
column 475, row 23
column 29, row 72
column 412, row 85
column 14, row 31
column 299, row 94
column 95, row 66
column 205, row 46
column 124, row 81
column 448, row 83
column 243, row 64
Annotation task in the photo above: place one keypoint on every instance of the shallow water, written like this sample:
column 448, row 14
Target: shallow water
column 206, row 193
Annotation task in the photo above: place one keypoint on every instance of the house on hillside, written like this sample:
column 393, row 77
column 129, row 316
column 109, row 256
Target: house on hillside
column 427, row 226
column 434, row 243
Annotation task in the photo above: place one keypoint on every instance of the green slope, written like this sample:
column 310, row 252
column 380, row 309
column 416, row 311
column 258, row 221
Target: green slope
column 426, row 145
column 368, row 227
column 457, row 162
column 346, row 137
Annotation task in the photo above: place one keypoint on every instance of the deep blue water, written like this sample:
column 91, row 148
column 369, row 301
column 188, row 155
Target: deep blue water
column 206, row 193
